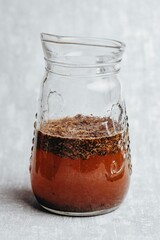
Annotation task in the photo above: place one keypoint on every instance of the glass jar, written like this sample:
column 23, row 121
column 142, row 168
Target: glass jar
column 80, row 163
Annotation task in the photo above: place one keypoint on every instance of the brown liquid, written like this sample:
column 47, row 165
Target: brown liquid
column 77, row 167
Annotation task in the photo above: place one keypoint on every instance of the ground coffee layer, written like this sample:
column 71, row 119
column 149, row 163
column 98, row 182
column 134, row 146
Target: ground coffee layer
column 79, row 137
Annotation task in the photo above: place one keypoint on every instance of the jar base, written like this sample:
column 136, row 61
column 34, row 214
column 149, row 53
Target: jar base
column 80, row 214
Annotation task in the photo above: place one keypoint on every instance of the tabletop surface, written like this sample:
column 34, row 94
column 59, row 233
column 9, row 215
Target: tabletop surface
column 21, row 70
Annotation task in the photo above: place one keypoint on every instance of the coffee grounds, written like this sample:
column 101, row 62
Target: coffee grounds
column 80, row 137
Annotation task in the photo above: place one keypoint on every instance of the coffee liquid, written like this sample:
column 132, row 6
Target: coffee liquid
column 79, row 164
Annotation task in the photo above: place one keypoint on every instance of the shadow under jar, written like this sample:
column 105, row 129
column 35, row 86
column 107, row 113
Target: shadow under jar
column 81, row 163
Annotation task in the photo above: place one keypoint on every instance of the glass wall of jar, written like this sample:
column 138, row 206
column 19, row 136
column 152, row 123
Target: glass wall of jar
column 80, row 163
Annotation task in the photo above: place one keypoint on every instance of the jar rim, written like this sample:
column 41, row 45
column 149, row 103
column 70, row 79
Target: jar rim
column 86, row 41
column 82, row 54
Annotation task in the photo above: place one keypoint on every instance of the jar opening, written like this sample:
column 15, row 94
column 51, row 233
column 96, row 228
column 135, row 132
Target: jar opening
column 82, row 52
column 87, row 41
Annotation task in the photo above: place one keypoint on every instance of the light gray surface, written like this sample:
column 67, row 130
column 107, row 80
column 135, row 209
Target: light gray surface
column 21, row 69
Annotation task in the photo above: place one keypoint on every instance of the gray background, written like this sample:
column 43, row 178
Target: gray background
column 21, row 70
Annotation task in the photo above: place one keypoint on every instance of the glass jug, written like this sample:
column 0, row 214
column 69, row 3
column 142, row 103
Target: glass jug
column 81, row 163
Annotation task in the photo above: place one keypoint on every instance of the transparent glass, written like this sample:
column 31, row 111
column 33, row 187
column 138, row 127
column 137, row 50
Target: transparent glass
column 81, row 163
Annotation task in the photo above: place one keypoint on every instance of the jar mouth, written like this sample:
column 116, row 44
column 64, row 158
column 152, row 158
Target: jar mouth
column 87, row 41
column 82, row 52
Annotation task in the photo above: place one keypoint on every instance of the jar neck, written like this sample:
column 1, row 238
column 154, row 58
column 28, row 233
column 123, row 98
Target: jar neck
column 68, row 70
column 71, row 56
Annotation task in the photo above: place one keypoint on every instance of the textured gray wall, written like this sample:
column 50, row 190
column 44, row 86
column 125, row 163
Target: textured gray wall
column 21, row 70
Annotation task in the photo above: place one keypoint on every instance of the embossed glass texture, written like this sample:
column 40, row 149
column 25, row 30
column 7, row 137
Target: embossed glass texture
column 81, row 162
